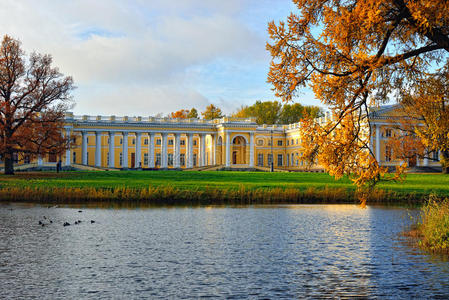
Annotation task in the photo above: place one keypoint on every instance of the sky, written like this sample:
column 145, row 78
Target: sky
column 147, row 58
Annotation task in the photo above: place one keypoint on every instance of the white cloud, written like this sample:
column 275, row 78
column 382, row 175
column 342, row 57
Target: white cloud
column 136, row 57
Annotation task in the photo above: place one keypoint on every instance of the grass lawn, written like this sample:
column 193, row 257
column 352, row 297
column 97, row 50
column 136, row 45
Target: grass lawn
column 414, row 183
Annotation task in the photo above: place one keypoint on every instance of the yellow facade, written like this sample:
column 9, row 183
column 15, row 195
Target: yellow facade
column 164, row 143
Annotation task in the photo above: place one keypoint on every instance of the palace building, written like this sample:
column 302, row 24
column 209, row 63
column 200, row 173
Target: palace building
column 148, row 142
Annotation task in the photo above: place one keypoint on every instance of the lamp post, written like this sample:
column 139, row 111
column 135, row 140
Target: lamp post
column 272, row 159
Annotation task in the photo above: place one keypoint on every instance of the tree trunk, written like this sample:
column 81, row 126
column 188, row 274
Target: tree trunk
column 445, row 162
column 9, row 163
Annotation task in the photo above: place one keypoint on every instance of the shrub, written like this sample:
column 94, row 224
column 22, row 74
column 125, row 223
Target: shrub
column 434, row 225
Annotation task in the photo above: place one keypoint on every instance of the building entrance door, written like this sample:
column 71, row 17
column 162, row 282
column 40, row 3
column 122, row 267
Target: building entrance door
column 412, row 162
column 133, row 160
column 234, row 157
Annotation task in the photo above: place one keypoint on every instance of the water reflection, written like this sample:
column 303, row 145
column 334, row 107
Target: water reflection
column 269, row 251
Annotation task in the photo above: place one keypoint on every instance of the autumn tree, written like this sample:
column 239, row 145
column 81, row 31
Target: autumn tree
column 354, row 54
column 212, row 112
column 427, row 103
column 193, row 114
column 180, row 114
column 33, row 99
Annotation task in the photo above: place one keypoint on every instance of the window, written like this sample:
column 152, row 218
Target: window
column 107, row 159
column 259, row 142
column 269, row 143
column 145, row 141
column 388, row 153
column 194, row 142
column 183, row 142
column 194, row 159
column 87, row 140
column 108, row 141
column 182, row 159
column 170, row 158
column 293, row 157
column 279, row 142
column 260, row 159
column 280, row 160
column 158, row 141
column 287, row 142
column 270, row 159
column 293, row 141
column 145, row 159
column 387, row 132
column 436, row 155
column 296, row 141
column 158, row 159
column 288, row 160
column 170, row 142
column 121, row 141
column 74, row 157
column 121, row 159
column 87, row 157
column 134, row 141
column 26, row 159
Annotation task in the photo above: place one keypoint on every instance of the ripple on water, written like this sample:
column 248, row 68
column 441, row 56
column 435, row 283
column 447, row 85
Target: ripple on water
column 264, row 252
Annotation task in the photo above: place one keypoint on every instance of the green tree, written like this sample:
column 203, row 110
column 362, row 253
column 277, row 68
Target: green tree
column 265, row 112
column 293, row 113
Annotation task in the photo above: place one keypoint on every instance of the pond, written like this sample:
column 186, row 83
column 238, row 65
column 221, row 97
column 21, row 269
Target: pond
column 276, row 252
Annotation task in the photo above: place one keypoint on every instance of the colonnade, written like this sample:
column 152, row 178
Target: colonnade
column 151, row 149
column 164, row 163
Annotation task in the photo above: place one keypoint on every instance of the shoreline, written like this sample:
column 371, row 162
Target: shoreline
column 167, row 195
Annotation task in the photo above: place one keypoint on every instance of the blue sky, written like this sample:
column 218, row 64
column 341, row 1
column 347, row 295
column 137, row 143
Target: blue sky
column 149, row 57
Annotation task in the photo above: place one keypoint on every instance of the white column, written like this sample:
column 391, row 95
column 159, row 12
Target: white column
column 214, row 147
column 138, row 149
column 251, row 149
column 190, row 150
column 177, row 151
column 97, row 148
column 125, row 150
column 68, row 153
column 111, row 149
column 371, row 139
column 84, row 148
column 228, row 149
column 164, row 151
column 378, row 144
column 426, row 159
column 202, row 150
column 150, row 150
column 39, row 161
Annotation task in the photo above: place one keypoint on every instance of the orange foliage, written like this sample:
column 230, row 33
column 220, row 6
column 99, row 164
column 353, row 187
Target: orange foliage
column 180, row 114
column 33, row 99
column 354, row 54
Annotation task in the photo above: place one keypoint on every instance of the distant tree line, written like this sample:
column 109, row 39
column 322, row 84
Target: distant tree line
column 265, row 112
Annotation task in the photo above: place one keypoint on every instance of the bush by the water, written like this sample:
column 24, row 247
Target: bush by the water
column 433, row 228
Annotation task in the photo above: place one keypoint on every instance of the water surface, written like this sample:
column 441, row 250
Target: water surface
column 247, row 252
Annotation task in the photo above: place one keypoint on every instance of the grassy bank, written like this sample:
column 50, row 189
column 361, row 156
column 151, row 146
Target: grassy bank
column 180, row 187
